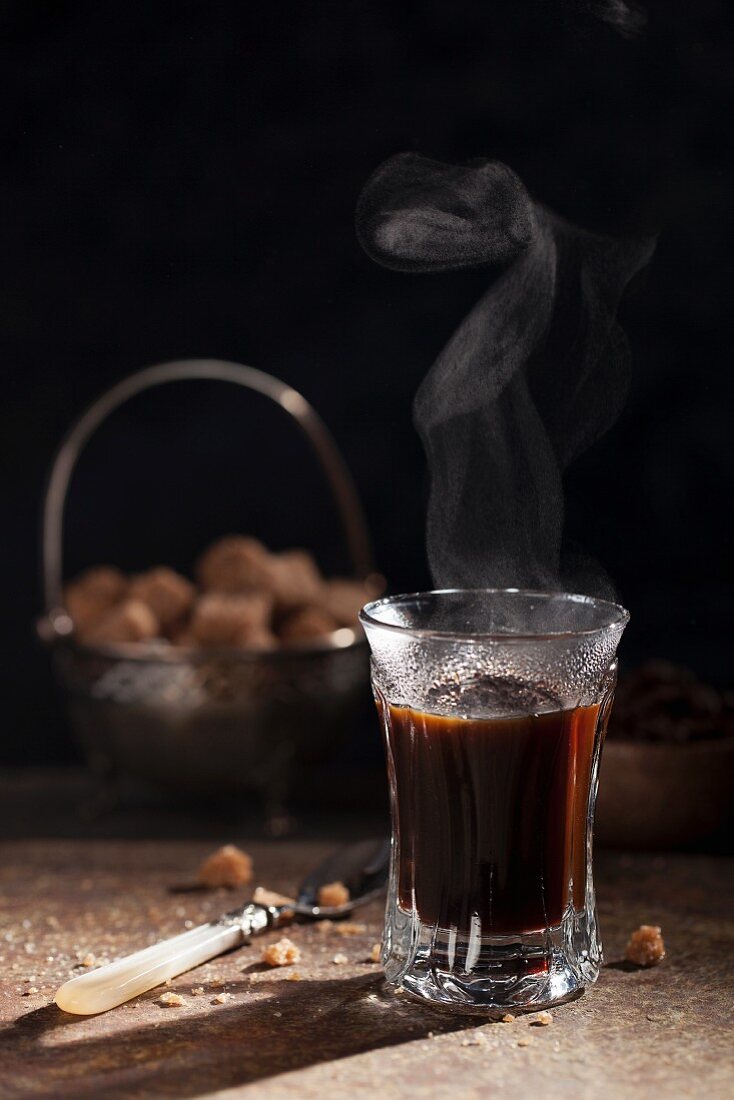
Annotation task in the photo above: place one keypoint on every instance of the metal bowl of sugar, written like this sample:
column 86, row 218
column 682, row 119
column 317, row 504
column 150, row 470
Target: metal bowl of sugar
column 204, row 722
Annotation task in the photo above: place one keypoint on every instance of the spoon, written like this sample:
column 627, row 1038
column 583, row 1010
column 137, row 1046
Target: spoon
column 361, row 867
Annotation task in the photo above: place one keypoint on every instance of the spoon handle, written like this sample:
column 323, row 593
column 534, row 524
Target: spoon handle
column 120, row 981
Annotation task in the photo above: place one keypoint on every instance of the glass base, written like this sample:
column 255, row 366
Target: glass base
column 525, row 971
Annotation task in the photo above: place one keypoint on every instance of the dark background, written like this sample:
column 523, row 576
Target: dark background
column 179, row 179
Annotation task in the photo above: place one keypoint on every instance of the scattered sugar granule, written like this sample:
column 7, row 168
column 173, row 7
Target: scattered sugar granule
column 89, row 959
column 282, row 953
column 171, row 1000
column 340, row 960
column 332, row 894
column 472, row 1041
column 508, row 1018
column 543, row 1019
column 524, row 1041
column 228, row 866
column 324, row 926
column 197, row 991
column 646, row 946
column 376, row 952
column 216, row 983
column 294, row 976
column 30, row 990
column 222, row 998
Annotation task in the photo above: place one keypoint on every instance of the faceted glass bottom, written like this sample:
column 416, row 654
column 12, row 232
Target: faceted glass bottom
column 530, row 970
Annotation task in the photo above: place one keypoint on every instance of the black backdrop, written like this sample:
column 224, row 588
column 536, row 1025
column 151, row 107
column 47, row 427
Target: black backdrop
column 179, row 179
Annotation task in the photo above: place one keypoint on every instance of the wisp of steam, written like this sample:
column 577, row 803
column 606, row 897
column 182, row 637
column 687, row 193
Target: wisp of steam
column 535, row 373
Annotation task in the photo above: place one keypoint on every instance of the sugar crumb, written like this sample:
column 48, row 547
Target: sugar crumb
column 171, row 1000
column 340, row 960
column 229, row 866
column 332, row 894
column 282, row 953
column 543, row 1019
column 646, row 946
column 263, row 896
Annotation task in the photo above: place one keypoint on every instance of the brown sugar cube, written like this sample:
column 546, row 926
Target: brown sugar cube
column 646, row 946
column 304, row 624
column 226, row 620
column 235, row 564
column 332, row 894
column 282, row 953
column 129, row 621
column 93, row 593
column 169, row 595
column 228, row 866
column 294, row 579
column 344, row 599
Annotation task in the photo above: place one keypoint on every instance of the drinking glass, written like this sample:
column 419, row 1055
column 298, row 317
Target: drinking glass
column 493, row 705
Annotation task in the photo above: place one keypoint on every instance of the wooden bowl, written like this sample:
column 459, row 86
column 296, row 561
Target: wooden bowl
column 662, row 796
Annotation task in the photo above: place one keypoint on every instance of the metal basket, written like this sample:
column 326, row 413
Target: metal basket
column 205, row 722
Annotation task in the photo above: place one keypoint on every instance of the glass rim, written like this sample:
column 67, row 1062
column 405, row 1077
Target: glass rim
column 619, row 616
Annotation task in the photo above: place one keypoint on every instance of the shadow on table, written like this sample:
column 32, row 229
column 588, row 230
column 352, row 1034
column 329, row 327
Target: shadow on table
column 184, row 1055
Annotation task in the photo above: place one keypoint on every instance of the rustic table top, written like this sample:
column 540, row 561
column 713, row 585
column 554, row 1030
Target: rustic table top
column 664, row 1032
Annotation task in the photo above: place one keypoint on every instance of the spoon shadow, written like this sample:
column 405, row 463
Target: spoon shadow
column 300, row 1024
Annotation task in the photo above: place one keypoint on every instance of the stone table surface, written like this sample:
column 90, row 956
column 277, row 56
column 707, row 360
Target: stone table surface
column 663, row 1032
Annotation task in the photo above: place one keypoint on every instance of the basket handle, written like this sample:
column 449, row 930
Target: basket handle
column 308, row 420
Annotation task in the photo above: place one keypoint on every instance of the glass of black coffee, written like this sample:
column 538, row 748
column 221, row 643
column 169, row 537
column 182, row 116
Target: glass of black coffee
column 493, row 705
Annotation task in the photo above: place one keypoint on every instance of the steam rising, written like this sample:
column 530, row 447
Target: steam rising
column 625, row 18
column 535, row 373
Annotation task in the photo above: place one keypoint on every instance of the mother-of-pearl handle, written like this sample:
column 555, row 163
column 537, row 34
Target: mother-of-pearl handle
column 119, row 981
